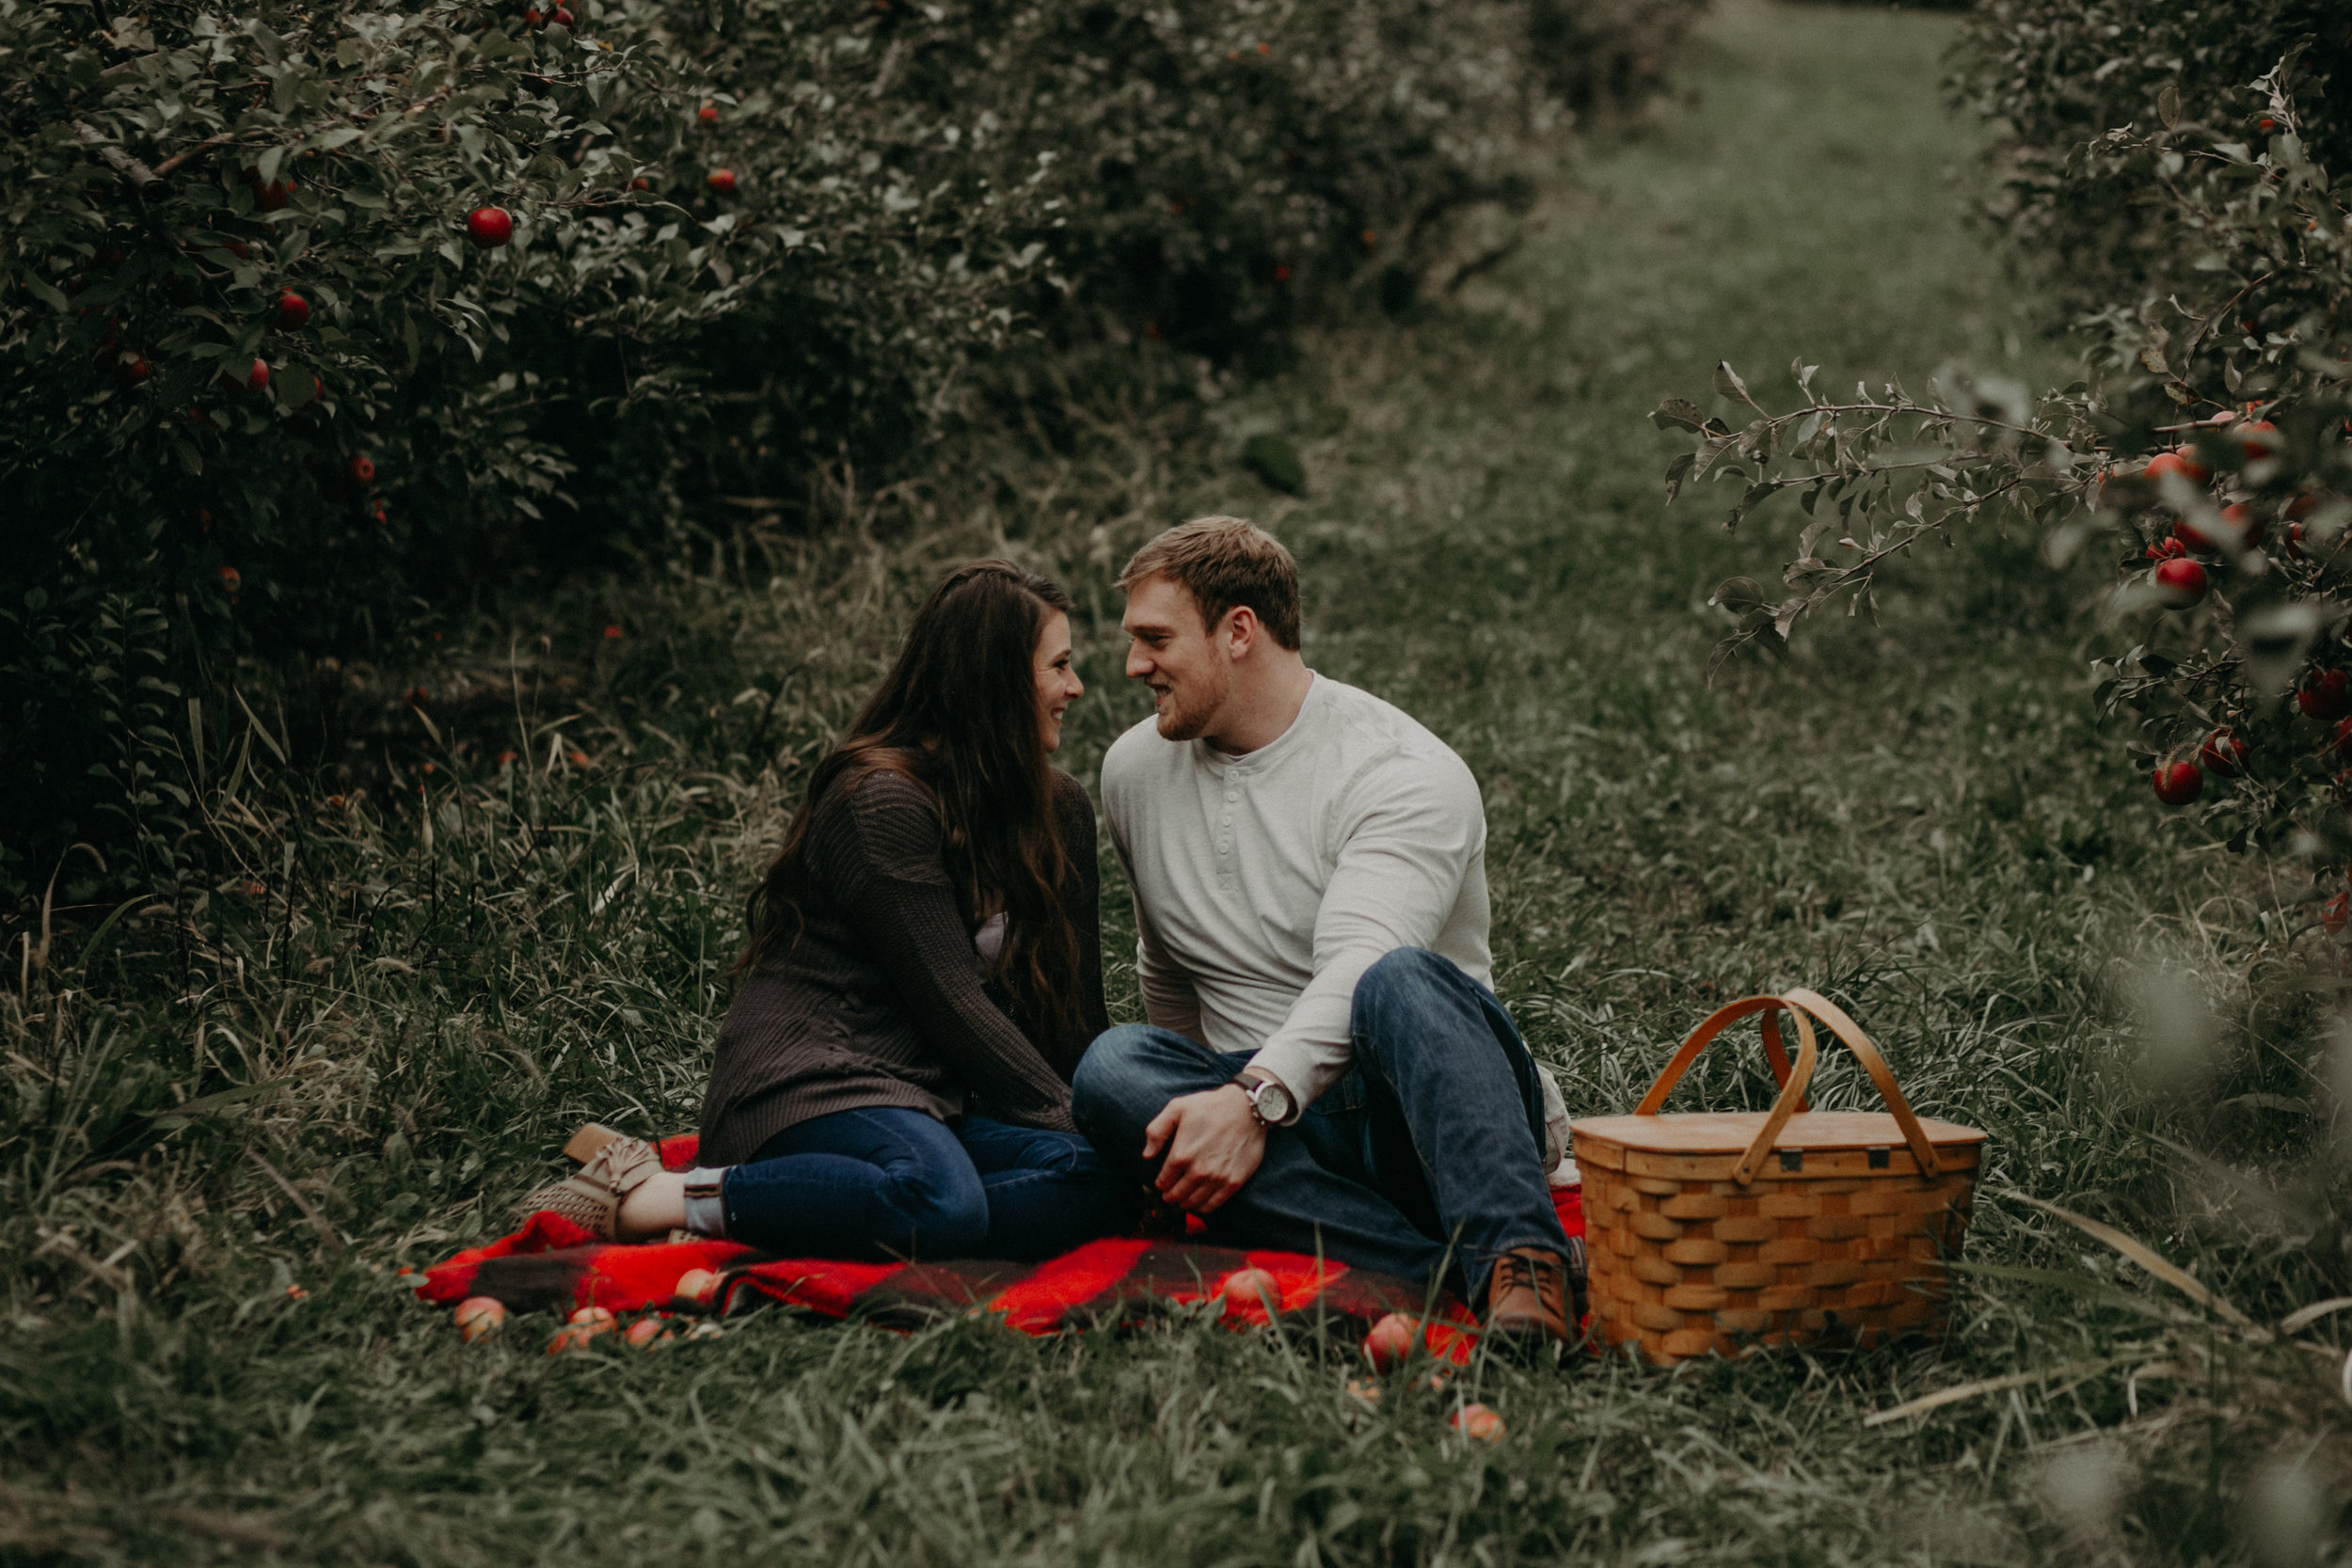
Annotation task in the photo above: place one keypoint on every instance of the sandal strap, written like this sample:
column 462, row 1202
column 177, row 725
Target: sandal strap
column 585, row 1143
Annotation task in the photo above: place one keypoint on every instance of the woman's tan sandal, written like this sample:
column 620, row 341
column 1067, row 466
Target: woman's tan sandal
column 585, row 1143
column 612, row 1167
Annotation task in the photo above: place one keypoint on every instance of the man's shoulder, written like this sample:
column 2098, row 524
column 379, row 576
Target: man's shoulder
column 1139, row 752
column 1373, row 735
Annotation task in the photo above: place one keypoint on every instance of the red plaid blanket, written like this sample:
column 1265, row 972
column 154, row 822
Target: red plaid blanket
column 551, row 1264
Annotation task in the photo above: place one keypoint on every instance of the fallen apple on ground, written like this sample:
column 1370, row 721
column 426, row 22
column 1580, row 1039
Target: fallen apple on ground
column 477, row 1316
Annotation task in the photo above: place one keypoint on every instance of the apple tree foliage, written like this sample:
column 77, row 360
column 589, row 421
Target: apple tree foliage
column 192, row 465
column 2220, row 246
column 263, row 401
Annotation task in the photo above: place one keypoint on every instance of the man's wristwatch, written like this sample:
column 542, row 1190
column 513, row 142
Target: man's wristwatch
column 1269, row 1101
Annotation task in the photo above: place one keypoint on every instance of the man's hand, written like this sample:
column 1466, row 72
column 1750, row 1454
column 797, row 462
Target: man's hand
column 1214, row 1146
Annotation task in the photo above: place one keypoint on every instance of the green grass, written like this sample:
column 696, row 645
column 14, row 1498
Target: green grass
column 1920, row 818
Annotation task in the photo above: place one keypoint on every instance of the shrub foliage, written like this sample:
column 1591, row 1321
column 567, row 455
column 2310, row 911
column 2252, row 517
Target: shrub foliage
column 268, row 395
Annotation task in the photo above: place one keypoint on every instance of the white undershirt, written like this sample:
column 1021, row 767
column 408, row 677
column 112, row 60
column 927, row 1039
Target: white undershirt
column 989, row 940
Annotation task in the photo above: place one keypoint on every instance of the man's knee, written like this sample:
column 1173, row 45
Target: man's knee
column 1122, row 1077
column 1407, row 979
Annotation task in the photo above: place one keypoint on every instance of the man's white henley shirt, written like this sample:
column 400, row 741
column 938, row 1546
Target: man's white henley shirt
column 1266, row 884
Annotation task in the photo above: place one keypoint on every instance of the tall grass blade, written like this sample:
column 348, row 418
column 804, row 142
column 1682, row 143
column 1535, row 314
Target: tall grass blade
column 2138, row 1252
column 1954, row 1395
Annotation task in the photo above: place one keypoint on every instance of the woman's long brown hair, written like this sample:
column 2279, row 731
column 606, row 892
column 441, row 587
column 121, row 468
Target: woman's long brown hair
column 958, row 713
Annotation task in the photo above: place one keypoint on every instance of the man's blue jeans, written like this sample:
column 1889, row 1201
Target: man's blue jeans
column 1426, row 1154
column 887, row 1182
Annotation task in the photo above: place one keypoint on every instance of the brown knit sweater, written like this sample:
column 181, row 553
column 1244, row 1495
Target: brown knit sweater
column 882, row 1000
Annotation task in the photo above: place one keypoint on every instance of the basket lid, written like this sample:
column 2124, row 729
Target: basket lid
column 1732, row 1131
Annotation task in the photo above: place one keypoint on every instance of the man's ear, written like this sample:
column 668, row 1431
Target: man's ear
column 1245, row 630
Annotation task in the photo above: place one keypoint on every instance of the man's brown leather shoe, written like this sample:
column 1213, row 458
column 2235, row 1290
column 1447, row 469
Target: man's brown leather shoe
column 1527, row 1296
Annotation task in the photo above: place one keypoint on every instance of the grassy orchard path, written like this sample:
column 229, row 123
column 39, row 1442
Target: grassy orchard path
column 1921, row 817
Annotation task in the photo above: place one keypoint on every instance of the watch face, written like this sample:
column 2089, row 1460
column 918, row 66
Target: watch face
column 1274, row 1102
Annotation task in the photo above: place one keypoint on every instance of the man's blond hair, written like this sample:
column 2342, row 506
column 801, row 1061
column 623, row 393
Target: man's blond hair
column 1224, row 563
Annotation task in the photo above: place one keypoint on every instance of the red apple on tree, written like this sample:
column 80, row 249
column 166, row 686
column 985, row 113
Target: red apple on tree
column 255, row 379
column 2223, row 754
column 721, row 179
column 272, row 196
column 2178, row 783
column 707, row 114
column 133, row 370
column 490, row 226
column 562, row 16
column 362, row 470
column 2178, row 461
column 2179, row 583
column 293, row 311
column 2333, row 915
column 2325, row 694
column 2257, row 438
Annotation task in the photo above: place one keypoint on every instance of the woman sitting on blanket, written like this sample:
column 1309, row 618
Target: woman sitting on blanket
column 924, row 973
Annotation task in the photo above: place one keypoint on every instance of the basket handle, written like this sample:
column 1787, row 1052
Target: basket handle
column 1849, row 1033
column 1799, row 1003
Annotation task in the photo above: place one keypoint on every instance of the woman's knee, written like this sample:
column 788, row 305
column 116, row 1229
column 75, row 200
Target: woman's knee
column 941, row 1210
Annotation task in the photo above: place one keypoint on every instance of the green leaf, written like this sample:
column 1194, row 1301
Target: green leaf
column 1728, row 382
column 1275, row 463
column 1678, row 414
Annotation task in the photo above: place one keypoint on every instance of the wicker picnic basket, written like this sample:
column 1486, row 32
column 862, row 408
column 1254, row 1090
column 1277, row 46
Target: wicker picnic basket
column 1711, row 1232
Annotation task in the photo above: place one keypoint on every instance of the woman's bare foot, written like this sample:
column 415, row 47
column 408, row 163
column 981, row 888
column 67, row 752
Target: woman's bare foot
column 654, row 1206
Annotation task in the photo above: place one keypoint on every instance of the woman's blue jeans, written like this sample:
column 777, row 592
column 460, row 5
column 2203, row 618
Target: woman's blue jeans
column 884, row 1183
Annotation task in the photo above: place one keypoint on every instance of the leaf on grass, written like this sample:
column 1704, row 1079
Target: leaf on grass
column 2138, row 1252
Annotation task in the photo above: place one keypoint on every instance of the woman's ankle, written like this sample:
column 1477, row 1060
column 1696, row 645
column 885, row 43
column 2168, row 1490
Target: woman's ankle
column 654, row 1206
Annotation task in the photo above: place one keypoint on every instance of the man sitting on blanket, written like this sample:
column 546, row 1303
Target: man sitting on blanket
column 1325, row 1067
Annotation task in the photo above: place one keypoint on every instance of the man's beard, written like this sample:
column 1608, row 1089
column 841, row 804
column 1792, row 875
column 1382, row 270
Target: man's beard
column 1187, row 719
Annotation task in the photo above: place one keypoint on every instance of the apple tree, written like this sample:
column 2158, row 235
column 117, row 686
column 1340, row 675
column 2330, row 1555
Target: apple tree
column 2209, row 452
column 304, row 313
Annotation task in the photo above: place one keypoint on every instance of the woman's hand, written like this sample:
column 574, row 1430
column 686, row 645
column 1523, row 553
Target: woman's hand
column 1214, row 1142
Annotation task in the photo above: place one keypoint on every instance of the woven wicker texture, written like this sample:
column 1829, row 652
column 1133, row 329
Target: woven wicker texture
column 1839, row 1230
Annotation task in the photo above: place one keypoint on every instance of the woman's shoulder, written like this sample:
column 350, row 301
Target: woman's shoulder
column 1069, row 792
column 1071, row 803
column 881, row 809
